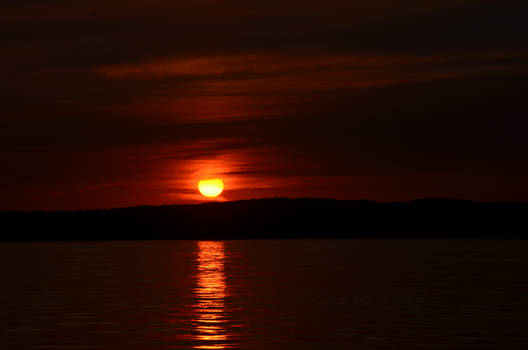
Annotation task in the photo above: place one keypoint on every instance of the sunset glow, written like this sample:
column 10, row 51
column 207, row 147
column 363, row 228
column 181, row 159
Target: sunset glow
column 371, row 102
column 211, row 188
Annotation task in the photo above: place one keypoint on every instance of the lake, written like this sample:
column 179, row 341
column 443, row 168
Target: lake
column 265, row 294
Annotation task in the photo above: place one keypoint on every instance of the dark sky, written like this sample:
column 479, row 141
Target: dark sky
column 110, row 103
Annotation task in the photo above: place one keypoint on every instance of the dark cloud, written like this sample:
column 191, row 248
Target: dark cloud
column 130, row 104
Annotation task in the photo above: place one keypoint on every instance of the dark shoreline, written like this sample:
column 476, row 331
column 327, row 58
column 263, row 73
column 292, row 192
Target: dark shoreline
column 274, row 218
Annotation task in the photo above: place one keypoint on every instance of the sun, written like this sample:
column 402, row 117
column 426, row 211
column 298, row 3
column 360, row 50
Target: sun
column 211, row 188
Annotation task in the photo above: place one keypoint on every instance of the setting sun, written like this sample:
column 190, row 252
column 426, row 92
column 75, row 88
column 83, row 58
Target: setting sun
column 211, row 188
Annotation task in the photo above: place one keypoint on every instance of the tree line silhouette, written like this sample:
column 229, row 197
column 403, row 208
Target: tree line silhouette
column 275, row 218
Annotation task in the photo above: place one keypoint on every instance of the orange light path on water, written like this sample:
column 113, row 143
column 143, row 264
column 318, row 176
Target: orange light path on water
column 210, row 292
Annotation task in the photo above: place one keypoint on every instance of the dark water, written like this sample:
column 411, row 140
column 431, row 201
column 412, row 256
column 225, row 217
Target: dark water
column 294, row 294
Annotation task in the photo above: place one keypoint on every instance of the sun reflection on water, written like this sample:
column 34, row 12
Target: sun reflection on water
column 210, row 292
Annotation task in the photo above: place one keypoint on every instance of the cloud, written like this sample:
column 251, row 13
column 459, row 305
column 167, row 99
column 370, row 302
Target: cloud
column 130, row 104
column 251, row 66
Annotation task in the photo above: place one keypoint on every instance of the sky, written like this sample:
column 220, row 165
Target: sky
column 113, row 103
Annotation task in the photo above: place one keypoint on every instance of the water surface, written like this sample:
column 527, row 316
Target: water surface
column 265, row 294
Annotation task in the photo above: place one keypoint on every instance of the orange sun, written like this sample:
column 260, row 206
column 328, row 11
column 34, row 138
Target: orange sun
column 211, row 188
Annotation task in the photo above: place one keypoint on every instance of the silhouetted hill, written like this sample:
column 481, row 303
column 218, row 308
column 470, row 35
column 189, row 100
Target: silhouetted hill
column 275, row 218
